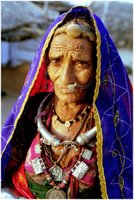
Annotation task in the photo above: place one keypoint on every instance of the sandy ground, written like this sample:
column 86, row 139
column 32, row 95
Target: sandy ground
column 12, row 81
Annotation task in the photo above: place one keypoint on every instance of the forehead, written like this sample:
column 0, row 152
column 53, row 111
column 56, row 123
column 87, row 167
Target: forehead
column 64, row 43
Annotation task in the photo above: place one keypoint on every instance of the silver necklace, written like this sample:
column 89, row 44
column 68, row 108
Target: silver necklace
column 51, row 139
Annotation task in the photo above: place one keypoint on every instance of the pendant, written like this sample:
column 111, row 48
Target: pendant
column 55, row 194
column 87, row 154
column 67, row 124
column 56, row 173
column 80, row 169
column 38, row 165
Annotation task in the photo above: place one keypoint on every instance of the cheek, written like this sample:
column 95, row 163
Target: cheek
column 85, row 76
column 52, row 72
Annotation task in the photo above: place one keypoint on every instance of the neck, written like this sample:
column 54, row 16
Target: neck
column 67, row 111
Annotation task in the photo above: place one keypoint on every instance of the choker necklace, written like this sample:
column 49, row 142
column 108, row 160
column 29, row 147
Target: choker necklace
column 51, row 139
column 80, row 117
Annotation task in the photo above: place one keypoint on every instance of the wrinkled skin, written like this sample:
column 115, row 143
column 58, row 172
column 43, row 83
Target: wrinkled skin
column 70, row 61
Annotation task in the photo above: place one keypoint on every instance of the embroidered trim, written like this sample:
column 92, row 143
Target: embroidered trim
column 99, row 150
column 38, row 68
column 97, row 120
column 99, row 135
column 31, row 86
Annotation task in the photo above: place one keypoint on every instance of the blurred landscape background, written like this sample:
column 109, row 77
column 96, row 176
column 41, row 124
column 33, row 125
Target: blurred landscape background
column 23, row 23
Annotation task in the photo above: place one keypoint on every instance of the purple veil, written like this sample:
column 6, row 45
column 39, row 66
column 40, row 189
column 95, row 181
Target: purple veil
column 112, row 104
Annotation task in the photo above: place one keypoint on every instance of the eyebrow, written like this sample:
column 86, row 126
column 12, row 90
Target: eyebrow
column 55, row 55
column 56, row 52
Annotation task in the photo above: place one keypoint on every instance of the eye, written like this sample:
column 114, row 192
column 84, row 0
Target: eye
column 81, row 62
column 81, row 65
column 55, row 61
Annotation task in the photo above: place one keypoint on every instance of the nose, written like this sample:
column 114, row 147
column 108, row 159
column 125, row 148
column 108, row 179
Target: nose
column 67, row 75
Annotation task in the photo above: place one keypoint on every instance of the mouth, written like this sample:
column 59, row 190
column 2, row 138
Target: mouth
column 65, row 90
column 70, row 88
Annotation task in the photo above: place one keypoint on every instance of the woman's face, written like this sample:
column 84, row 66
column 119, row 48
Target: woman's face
column 70, row 61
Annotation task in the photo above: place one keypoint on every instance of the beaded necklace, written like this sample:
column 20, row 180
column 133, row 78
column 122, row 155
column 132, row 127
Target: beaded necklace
column 51, row 139
column 55, row 173
column 57, row 177
column 80, row 117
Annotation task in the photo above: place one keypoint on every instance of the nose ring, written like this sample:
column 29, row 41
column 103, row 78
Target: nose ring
column 71, row 87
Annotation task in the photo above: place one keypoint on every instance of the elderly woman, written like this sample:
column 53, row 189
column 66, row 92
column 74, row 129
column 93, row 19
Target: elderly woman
column 69, row 133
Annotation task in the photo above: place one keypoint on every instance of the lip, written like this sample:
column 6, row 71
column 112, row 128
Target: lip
column 65, row 90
